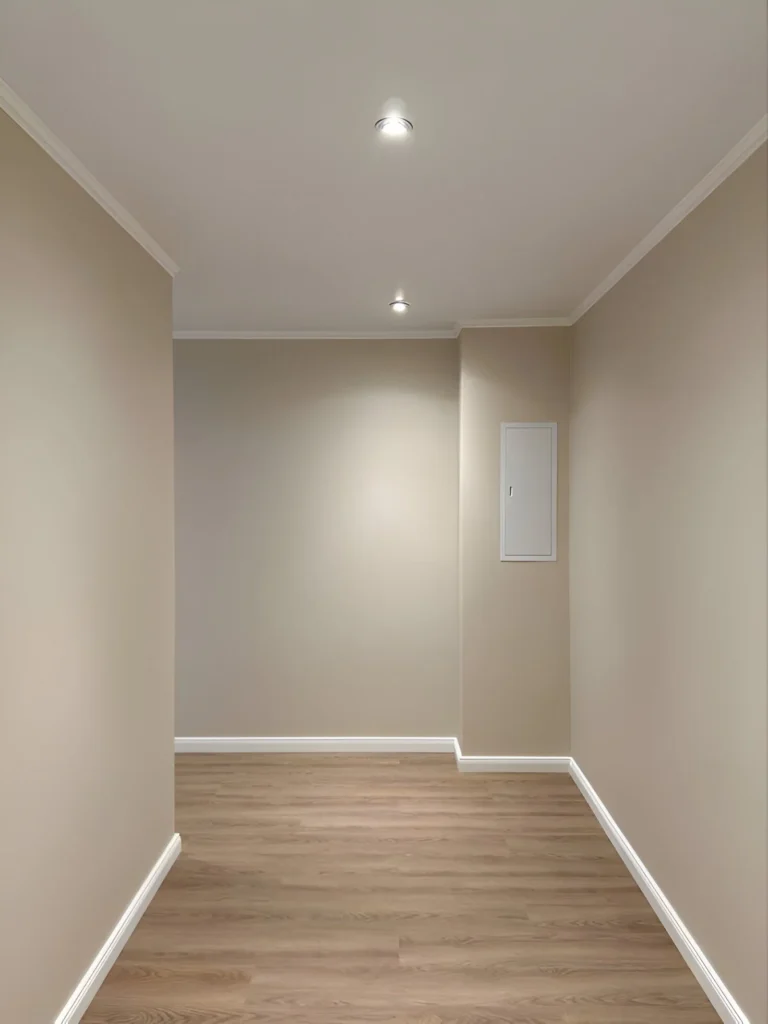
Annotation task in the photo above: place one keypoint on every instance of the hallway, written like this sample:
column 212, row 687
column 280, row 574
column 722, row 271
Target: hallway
column 346, row 889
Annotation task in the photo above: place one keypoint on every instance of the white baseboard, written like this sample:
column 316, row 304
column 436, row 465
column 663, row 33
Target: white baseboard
column 713, row 986
column 481, row 763
column 470, row 763
column 91, row 981
column 314, row 744
column 367, row 745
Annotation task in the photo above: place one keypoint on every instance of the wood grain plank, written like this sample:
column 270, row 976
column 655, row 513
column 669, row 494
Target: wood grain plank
column 344, row 889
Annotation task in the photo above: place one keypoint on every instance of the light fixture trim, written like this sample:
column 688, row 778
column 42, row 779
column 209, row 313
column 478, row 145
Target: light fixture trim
column 399, row 306
column 394, row 125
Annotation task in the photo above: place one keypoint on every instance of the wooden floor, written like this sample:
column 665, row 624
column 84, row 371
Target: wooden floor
column 345, row 889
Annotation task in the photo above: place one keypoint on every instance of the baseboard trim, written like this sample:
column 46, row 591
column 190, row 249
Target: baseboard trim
column 480, row 763
column 470, row 763
column 91, row 981
column 367, row 745
column 314, row 744
column 713, row 986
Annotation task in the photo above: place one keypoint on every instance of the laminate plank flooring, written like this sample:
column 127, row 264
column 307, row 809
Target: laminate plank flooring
column 345, row 889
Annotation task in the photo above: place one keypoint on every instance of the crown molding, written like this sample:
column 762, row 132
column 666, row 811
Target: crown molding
column 27, row 119
column 530, row 321
column 403, row 334
column 743, row 149
column 312, row 335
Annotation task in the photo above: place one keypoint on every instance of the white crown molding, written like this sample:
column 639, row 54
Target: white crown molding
column 313, row 335
column 706, row 975
column 91, row 981
column 531, row 321
column 314, row 744
column 403, row 334
column 26, row 118
column 743, row 149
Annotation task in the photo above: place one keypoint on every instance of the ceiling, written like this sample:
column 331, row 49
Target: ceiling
column 550, row 137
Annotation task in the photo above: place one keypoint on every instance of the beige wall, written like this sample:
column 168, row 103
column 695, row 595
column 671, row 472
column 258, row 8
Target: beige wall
column 514, row 615
column 316, row 538
column 668, row 570
column 86, row 563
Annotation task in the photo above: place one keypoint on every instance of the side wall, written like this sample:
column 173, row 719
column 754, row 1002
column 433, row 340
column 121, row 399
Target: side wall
column 514, row 615
column 668, row 569
column 86, row 563
column 317, row 534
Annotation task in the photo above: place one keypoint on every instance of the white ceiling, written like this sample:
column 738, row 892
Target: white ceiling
column 550, row 137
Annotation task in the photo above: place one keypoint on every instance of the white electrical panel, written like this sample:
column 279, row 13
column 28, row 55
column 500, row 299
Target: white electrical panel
column 528, row 492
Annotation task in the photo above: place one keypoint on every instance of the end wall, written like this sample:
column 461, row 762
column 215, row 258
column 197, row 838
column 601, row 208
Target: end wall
column 86, row 564
column 317, row 533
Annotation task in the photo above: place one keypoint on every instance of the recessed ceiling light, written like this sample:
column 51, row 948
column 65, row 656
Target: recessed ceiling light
column 394, row 126
column 399, row 306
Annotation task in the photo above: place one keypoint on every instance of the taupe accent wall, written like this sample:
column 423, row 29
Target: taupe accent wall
column 668, row 570
column 86, row 564
column 316, row 538
column 514, row 615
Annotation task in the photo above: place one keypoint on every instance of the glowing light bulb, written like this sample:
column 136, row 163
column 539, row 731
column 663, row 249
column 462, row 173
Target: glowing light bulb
column 394, row 126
